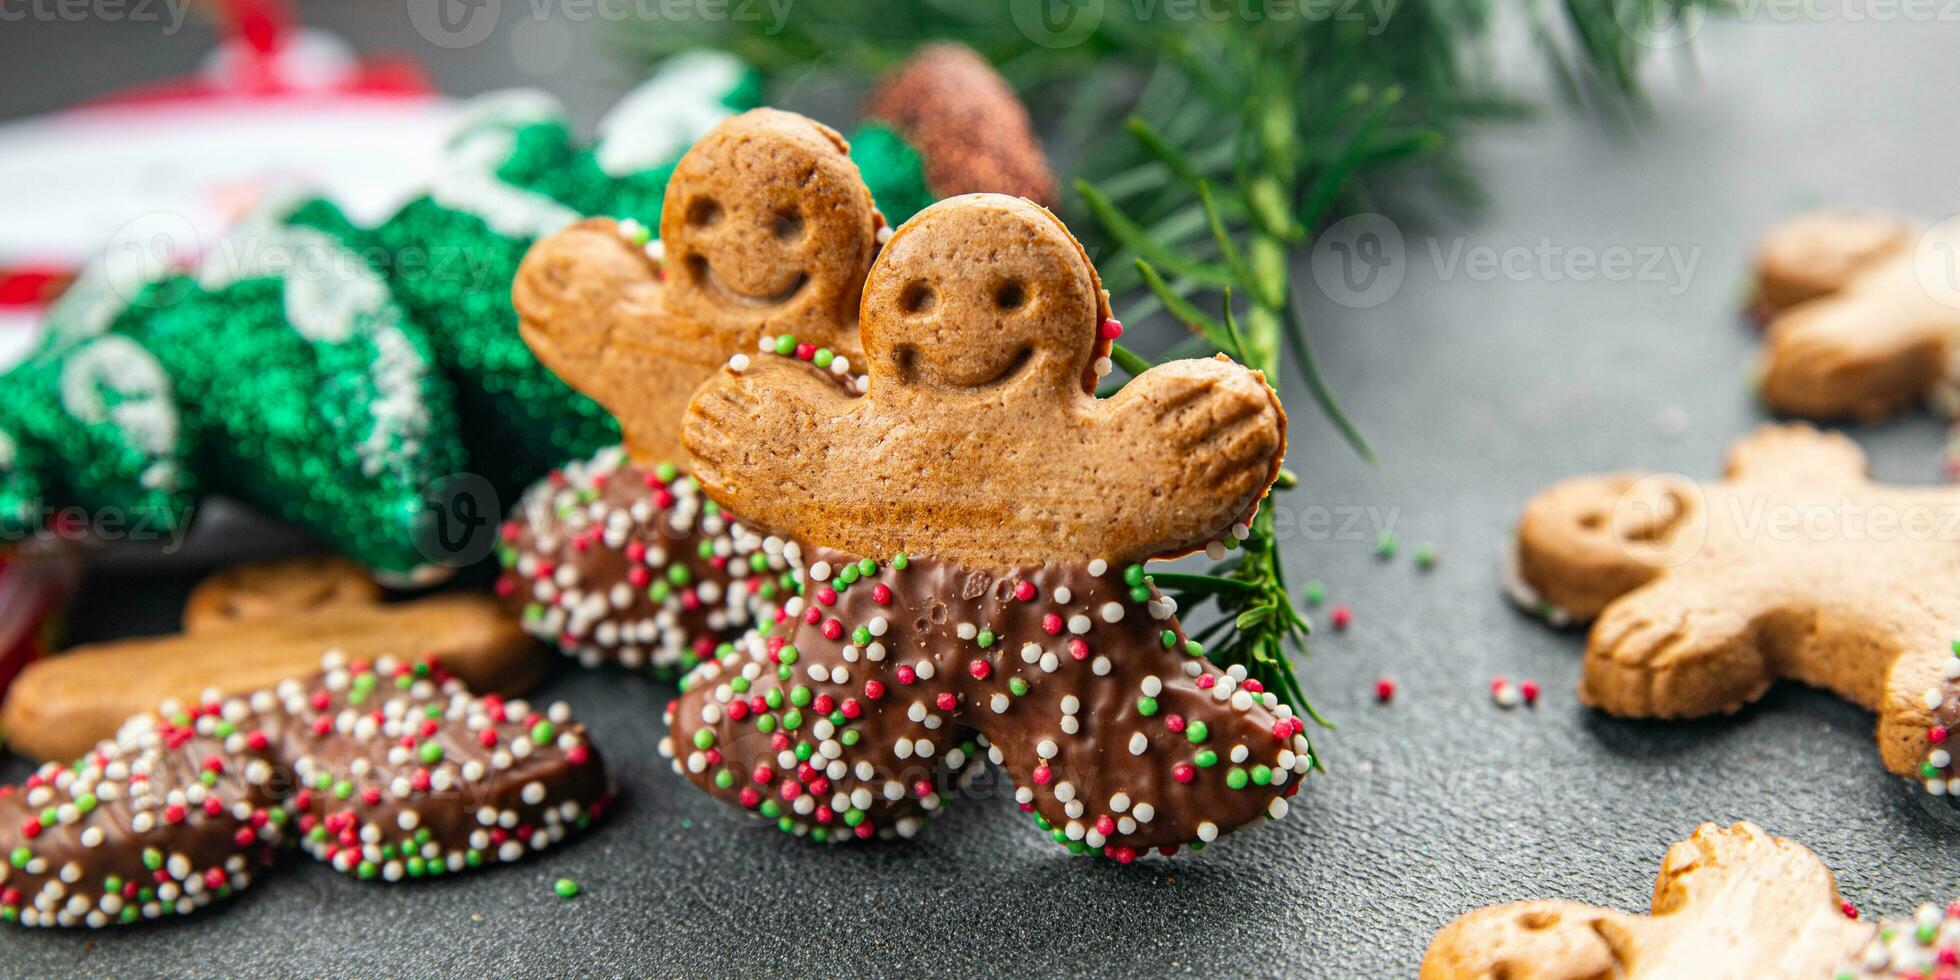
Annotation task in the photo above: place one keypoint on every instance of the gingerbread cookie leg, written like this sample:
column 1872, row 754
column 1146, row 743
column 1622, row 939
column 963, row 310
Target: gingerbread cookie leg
column 1729, row 904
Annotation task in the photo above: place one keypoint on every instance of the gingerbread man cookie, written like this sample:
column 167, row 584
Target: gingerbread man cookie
column 1730, row 903
column 1795, row 566
column 1856, row 327
column 767, row 232
column 1007, row 610
column 384, row 768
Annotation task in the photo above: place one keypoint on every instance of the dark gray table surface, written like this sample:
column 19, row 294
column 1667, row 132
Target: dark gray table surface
column 1477, row 391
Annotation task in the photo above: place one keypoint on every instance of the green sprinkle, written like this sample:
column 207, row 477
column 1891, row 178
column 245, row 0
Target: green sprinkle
column 850, row 737
column 21, row 855
column 787, row 654
column 343, row 790
column 1316, row 592
column 1017, row 686
column 112, row 884
column 774, row 699
column 724, row 779
column 1425, row 557
column 861, row 636
column 1205, row 759
column 985, row 639
column 1198, row 731
column 792, row 718
column 822, row 360
column 899, row 561
column 740, row 685
column 1236, row 778
column 765, row 723
column 1133, row 575
column 1262, row 775
column 1385, row 545
column 771, row 809
column 804, row 750
column 677, row 573
column 1168, row 638
column 431, row 752
column 853, row 817
column 366, row 870
column 786, row 344
column 847, row 574
column 704, row 738
column 800, row 696
column 1927, row 770
column 1146, row 706
column 542, row 733
column 565, row 887
column 1140, row 594
column 867, row 567
column 1193, row 648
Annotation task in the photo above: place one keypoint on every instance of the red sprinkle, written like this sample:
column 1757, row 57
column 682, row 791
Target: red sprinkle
column 1530, row 691
column 946, row 701
column 1051, row 624
column 1184, row 772
column 1850, row 911
column 1936, row 734
column 1342, row 616
column 1024, row 590
column 1384, row 690
column 980, row 669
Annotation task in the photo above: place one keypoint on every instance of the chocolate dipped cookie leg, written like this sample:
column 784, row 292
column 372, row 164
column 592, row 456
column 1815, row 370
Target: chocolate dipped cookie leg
column 177, row 811
column 402, row 772
column 1077, row 678
column 613, row 561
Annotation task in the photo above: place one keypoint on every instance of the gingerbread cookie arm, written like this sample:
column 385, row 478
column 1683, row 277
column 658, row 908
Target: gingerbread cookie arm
column 1206, row 435
column 587, row 300
column 759, row 434
column 1822, row 252
column 1796, row 453
column 1682, row 647
column 1863, row 353
column 1729, row 904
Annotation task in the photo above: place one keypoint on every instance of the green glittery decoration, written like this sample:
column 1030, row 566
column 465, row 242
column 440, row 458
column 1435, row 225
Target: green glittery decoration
column 892, row 170
column 281, row 372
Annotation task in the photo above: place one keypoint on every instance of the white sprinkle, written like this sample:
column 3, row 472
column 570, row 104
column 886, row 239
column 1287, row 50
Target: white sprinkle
column 1152, row 686
column 999, row 704
column 1062, row 594
column 1050, row 662
column 1240, row 753
column 1277, row 808
column 1100, row 665
column 1112, row 612
column 1120, row 802
column 1097, row 567
column 1507, row 695
column 1078, row 624
column 820, row 571
column 967, row 631
column 1065, row 791
column 1138, row 744
column 1031, row 653
column 1207, row 831
column 1144, row 813
column 1046, row 748
column 1216, row 552
column 533, row 793
column 924, row 670
column 738, row 363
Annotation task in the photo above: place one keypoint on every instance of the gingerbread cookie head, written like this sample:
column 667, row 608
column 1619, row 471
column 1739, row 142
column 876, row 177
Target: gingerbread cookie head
column 1820, row 252
column 1729, row 902
column 766, row 230
column 982, row 294
column 1587, row 541
column 978, row 440
column 973, row 528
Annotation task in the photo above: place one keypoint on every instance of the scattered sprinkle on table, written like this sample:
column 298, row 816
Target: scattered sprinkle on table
column 1426, row 557
column 1385, row 690
column 1316, row 592
column 1341, row 616
column 565, row 887
column 1385, row 545
column 1505, row 693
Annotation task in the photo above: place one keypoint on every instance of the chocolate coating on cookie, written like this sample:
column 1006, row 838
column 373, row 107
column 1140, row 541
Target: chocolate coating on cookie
column 404, row 773
column 172, row 814
column 616, row 562
column 1076, row 679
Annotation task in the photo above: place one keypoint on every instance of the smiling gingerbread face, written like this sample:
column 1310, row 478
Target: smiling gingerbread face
column 982, row 294
column 768, row 229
